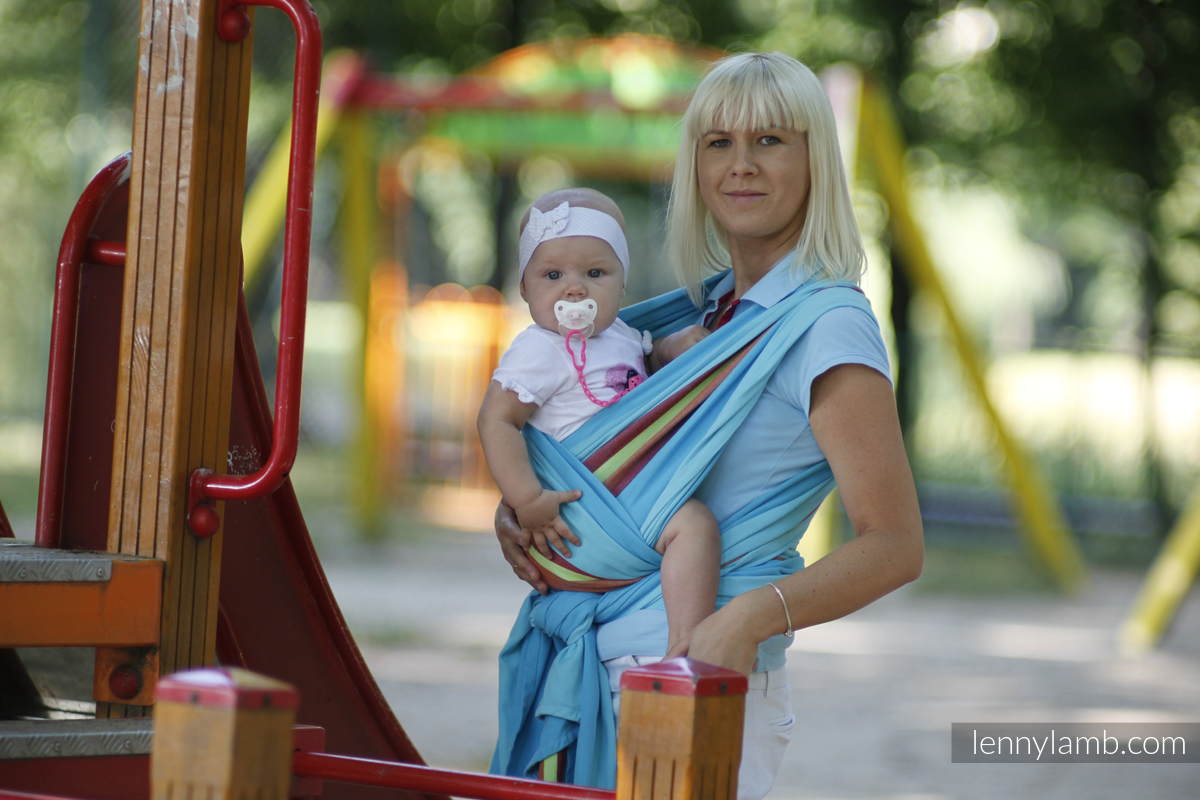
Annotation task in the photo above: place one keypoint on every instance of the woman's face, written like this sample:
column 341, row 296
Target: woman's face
column 755, row 184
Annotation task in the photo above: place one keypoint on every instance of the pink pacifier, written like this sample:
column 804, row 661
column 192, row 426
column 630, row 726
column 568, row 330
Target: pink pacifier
column 576, row 316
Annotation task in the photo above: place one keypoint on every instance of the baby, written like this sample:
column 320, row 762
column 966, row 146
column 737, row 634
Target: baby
column 573, row 263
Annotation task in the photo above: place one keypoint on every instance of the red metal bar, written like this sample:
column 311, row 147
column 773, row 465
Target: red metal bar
column 75, row 248
column 110, row 253
column 5, row 794
column 428, row 779
column 204, row 484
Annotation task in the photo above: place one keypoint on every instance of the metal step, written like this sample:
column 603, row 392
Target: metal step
column 23, row 562
column 74, row 738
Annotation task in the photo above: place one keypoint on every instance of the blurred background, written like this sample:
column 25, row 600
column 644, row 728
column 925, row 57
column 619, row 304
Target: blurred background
column 1052, row 149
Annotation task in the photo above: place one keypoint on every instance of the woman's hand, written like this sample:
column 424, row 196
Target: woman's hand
column 669, row 348
column 728, row 638
column 514, row 542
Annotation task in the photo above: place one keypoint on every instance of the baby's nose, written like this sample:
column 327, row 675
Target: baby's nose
column 575, row 291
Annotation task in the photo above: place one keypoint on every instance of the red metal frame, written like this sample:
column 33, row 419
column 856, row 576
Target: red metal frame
column 683, row 676
column 74, row 250
column 205, row 485
column 428, row 779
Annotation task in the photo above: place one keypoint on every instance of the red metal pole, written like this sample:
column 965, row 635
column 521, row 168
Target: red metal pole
column 428, row 779
column 205, row 485
column 75, row 248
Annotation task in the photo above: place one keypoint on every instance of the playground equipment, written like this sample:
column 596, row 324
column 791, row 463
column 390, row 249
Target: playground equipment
column 680, row 737
column 168, row 536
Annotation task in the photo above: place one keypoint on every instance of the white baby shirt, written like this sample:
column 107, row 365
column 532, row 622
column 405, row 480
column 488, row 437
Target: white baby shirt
column 537, row 368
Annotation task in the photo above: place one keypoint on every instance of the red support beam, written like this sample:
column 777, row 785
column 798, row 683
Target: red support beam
column 428, row 779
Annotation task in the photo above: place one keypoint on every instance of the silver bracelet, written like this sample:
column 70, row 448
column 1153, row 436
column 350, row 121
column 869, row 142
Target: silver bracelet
column 790, row 633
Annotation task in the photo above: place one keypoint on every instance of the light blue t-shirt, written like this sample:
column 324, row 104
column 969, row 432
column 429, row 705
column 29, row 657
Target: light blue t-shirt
column 775, row 440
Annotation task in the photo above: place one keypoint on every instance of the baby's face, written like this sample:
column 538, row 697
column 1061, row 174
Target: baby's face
column 573, row 268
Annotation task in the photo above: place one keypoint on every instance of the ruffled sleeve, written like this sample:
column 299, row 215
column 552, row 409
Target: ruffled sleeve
column 532, row 367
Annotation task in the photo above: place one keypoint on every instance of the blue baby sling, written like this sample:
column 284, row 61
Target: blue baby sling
column 555, row 703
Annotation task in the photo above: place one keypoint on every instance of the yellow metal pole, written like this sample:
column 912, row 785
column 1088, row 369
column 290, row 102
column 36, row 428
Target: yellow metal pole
column 358, row 231
column 267, row 196
column 1166, row 584
column 822, row 534
column 880, row 145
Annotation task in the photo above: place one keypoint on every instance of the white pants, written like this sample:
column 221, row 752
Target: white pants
column 768, row 728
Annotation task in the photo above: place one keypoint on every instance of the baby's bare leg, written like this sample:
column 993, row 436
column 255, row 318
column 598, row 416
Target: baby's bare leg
column 691, row 550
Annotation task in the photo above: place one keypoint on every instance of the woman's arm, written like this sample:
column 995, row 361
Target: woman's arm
column 853, row 417
column 501, row 417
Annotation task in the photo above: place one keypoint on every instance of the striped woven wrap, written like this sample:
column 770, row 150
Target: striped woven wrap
column 636, row 463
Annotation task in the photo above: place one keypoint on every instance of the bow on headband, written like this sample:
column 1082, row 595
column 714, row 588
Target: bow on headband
column 542, row 223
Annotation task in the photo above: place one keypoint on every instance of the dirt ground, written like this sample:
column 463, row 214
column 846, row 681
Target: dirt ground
column 875, row 693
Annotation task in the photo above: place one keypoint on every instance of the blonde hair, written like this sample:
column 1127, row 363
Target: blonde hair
column 757, row 91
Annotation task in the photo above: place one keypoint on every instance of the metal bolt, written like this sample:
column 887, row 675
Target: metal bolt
column 99, row 572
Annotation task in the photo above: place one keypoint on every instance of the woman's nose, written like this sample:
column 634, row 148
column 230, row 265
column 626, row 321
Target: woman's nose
column 743, row 161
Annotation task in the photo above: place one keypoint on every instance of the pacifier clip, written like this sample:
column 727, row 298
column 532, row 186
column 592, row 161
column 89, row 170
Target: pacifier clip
column 578, row 319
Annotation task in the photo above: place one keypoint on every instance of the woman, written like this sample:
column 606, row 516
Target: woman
column 759, row 189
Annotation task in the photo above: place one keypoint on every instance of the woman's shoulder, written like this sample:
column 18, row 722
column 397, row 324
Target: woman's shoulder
column 846, row 334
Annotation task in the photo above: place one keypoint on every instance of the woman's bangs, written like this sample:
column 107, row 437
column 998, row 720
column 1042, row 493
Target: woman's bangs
column 747, row 105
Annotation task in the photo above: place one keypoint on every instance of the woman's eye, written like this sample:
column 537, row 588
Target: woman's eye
column 553, row 275
column 769, row 139
column 718, row 143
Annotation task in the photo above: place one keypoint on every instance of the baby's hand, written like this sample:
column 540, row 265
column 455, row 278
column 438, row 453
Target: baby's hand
column 669, row 348
column 553, row 535
column 542, row 512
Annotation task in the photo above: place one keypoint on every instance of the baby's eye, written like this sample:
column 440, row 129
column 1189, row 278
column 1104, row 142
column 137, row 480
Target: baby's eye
column 595, row 272
column 553, row 275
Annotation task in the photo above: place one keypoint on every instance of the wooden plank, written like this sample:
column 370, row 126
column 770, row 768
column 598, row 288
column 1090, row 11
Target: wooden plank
column 225, row 743
column 181, row 282
column 674, row 747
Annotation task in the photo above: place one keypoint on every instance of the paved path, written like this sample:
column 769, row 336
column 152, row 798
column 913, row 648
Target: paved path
column 875, row 693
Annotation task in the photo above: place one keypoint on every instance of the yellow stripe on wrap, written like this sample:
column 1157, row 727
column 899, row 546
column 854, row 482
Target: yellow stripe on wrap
column 550, row 769
column 557, row 569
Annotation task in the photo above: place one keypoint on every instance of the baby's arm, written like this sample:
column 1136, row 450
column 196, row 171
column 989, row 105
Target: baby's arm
column 501, row 417
column 669, row 348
